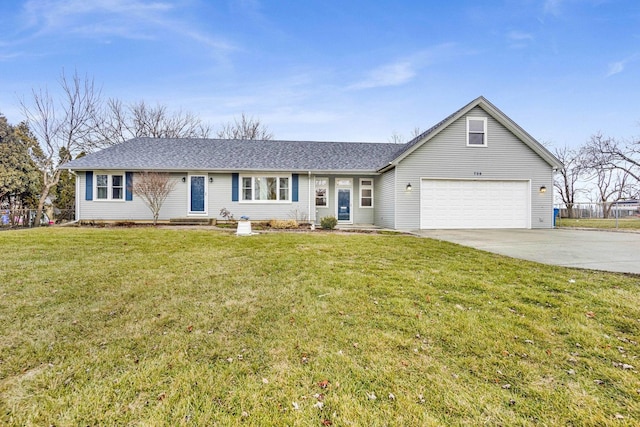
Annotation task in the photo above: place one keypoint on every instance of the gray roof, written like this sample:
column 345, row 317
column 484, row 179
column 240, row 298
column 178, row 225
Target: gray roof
column 222, row 154
column 184, row 154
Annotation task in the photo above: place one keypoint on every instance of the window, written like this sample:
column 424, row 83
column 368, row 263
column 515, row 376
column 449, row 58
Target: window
column 266, row 188
column 117, row 185
column 322, row 192
column 284, row 188
column 109, row 187
column 102, row 186
column 366, row 193
column 477, row 131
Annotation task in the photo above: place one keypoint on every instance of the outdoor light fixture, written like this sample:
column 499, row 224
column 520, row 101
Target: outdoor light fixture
column 210, row 179
column 543, row 189
column 409, row 187
column 184, row 179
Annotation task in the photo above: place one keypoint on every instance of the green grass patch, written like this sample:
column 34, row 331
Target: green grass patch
column 148, row 326
column 609, row 223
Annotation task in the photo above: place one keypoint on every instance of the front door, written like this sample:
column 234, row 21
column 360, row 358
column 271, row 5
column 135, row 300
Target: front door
column 197, row 195
column 344, row 204
column 344, row 188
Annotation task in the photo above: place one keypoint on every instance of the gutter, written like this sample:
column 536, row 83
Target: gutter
column 312, row 217
column 77, row 215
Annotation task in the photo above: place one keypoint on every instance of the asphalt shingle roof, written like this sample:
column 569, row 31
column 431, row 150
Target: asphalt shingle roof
column 224, row 154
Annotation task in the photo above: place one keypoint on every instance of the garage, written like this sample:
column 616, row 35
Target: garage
column 463, row 203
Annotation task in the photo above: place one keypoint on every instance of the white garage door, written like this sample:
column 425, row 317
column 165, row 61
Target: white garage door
column 474, row 204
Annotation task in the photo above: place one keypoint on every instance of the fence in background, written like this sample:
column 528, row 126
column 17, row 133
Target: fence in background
column 18, row 218
column 611, row 210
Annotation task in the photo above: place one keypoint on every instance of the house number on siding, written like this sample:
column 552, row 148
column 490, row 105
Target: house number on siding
column 477, row 173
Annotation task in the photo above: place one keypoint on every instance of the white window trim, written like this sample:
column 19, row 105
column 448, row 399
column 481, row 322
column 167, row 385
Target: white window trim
column 347, row 186
column 241, row 198
column 363, row 187
column 206, row 195
column 110, row 175
column 326, row 188
column 486, row 138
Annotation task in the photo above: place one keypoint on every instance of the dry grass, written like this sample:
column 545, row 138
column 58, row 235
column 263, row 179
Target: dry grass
column 192, row 327
column 609, row 223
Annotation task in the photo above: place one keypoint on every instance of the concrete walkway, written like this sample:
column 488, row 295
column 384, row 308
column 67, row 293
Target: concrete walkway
column 598, row 250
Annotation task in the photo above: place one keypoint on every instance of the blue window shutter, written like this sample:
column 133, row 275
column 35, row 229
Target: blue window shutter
column 294, row 187
column 234, row 186
column 89, row 185
column 128, row 182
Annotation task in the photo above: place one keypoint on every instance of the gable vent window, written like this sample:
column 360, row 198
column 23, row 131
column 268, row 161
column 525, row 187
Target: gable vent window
column 477, row 131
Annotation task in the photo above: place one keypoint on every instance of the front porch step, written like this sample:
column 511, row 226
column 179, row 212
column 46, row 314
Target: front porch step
column 190, row 221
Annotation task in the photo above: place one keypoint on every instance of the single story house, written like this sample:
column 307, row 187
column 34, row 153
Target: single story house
column 474, row 169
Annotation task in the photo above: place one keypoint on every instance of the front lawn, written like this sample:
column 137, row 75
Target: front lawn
column 609, row 223
column 150, row 326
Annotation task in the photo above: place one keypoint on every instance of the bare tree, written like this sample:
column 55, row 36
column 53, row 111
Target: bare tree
column 63, row 128
column 567, row 180
column 612, row 174
column 396, row 138
column 608, row 152
column 153, row 188
column 247, row 128
column 116, row 123
column 611, row 186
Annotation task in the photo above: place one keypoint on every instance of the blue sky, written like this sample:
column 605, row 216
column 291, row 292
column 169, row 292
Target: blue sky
column 348, row 70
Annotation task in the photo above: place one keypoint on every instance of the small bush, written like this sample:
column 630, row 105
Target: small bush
column 226, row 214
column 328, row 222
column 283, row 224
column 127, row 224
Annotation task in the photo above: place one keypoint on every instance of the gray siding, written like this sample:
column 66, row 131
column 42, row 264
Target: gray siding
column 385, row 199
column 359, row 215
column 447, row 156
column 330, row 209
column 362, row 215
column 176, row 205
column 135, row 210
column 220, row 197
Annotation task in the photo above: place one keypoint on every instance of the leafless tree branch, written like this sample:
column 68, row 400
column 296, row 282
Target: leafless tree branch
column 246, row 128
column 153, row 188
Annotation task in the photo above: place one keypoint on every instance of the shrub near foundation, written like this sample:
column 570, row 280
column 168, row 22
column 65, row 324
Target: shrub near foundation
column 284, row 224
column 328, row 222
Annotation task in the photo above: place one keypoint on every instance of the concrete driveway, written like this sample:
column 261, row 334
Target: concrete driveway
column 597, row 250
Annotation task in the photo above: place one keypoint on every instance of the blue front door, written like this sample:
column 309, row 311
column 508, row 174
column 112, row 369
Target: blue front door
column 344, row 204
column 197, row 194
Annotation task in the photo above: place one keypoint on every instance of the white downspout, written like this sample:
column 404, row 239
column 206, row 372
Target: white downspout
column 312, row 217
column 77, row 215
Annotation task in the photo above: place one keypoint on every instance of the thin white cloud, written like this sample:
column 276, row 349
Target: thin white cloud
column 619, row 66
column 519, row 39
column 404, row 70
column 519, row 36
column 616, row 68
column 101, row 19
column 394, row 74
column 552, row 6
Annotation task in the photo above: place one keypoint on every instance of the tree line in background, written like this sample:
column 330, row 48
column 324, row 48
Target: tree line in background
column 603, row 170
column 78, row 120
column 75, row 121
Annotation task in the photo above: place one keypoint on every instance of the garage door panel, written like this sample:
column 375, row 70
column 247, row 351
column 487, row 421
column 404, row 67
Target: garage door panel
column 474, row 204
